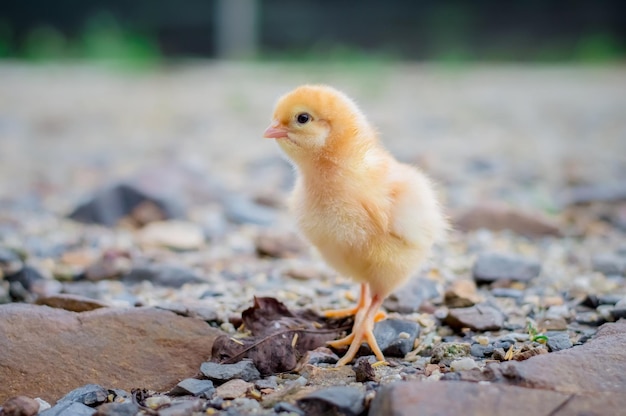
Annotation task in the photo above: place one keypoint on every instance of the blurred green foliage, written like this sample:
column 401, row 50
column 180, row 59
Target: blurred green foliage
column 452, row 30
column 102, row 40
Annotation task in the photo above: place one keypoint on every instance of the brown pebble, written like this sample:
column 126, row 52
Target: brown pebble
column 20, row 406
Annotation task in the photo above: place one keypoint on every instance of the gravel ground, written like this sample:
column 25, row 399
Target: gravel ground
column 550, row 142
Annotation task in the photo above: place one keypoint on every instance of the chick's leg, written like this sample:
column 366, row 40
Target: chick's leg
column 362, row 331
column 364, row 299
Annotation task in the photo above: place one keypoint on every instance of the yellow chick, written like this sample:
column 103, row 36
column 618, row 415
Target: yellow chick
column 371, row 218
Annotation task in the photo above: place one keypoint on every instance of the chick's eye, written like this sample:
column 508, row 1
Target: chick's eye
column 303, row 118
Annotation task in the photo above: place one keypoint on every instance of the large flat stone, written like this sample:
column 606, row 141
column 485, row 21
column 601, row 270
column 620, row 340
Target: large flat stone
column 596, row 366
column 465, row 398
column 46, row 352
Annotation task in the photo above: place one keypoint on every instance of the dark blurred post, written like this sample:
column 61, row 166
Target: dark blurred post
column 236, row 27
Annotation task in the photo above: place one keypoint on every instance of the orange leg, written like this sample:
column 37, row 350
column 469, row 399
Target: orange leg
column 364, row 299
column 362, row 331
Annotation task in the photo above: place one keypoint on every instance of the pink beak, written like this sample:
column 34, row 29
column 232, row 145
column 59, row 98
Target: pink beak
column 275, row 131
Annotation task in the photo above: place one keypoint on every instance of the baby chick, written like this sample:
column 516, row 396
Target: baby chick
column 371, row 218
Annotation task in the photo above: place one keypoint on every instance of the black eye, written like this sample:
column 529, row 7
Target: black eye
column 303, row 118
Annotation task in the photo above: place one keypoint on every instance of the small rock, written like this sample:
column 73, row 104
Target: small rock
column 412, row 296
column 461, row 364
column 74, row 303
column 461, row 294
column 117, row 409
column 320, row 355
column 284, row 407
column 245, row 406
column 10, row 262
column 303, row 272
column 498, row 216
column 173, row 234
column 594, row 193
column 112, row 264
column 364, row 370
column 609, row 264
column 446, row 352
column 340, row 400
column 20, row 406
column 69, row 408
column 266, row 383
column 396, row 337
column 490, row 267
column 591, row 318
column 109, row 205
column 558, row 311
column 477, row 318
column 163, row 275
column 194, row 387
column 619, row 310
column 558, row 341
column 481, row 351
column 182, row 408
column 220, row 373
column 5, row 296
column 233, row 389
column 279, row 245
column 506, row 292
column 155, row 402
column 90, row 395
column 27, row 276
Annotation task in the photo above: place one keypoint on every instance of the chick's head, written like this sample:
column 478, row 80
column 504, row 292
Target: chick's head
column 313, row 120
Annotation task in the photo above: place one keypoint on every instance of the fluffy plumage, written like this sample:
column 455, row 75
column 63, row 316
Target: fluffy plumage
column 371, row 218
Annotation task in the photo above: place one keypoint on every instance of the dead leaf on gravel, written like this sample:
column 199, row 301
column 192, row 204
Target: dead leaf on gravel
column 279, row 336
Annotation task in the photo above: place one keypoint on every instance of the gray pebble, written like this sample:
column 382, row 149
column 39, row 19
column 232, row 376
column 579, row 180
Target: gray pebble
column 27, row 277
column 267, row 383
column 182, row 408
column 108, row 205
column 505, row 292
column 89, row 394
column 558, row 340
column 10, row 262
column 609, row 264
column 284, row 407
column 410, row 297
column 481, row 351
column 194, row 387
column 592, row 318
column 246, row 405
column 69, row 408
column 619, row 310
column 478, row 318
column 334, row 400
column 169, row 276
column 117, row 409
column 490, row 267
column 220, row 373
column 396, row 337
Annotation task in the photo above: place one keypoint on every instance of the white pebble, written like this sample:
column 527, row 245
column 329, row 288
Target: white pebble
column 464, row 363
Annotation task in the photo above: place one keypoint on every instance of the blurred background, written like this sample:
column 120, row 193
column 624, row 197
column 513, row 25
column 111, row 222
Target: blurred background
column 514, row 101
column 452, row 31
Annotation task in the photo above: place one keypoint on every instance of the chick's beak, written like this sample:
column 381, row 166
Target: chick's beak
column 275, row 131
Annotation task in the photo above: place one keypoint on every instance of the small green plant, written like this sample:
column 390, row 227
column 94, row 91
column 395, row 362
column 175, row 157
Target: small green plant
column 534, row 335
